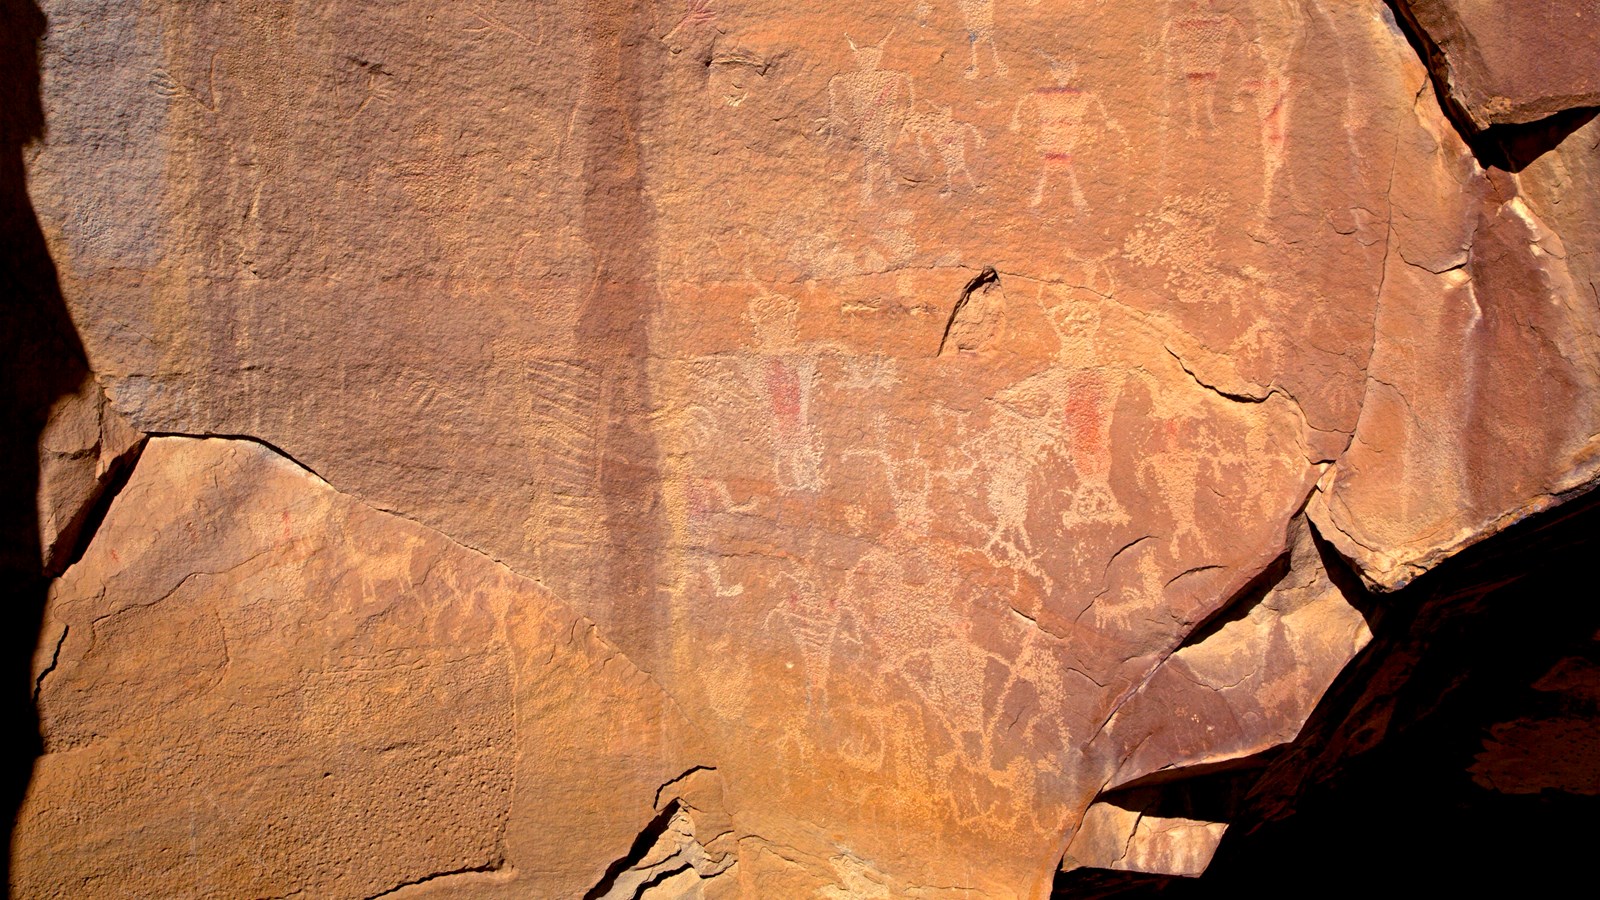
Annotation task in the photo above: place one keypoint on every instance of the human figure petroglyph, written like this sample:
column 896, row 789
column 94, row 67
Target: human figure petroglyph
column 1063, row 111
column 1197, row 45
column 813, row 622
column 784, row 374
column 873, row 103
column 937, row 127
column 1272, row 101
column 1274, row 97
column 978, row 17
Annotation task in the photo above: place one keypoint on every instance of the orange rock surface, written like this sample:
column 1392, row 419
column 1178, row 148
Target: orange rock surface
column 769, row 450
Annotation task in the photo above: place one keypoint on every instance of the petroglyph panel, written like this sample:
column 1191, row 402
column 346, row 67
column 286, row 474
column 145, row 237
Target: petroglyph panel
column 682, row 313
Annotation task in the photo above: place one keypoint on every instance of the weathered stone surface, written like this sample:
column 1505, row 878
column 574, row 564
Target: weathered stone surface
column 1484, row 386
column 1112, row 837
column 84, row 444
column 1506, row 63
column 679, row 312
column 254, row 685
column 1247, row 681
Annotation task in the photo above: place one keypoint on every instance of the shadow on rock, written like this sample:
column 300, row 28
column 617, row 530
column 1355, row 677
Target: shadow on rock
column 41, row 360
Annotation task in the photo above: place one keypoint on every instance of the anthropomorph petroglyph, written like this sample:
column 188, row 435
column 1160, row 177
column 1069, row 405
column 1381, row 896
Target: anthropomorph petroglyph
column 1197, row 45
column 978, row 17
column 1274, row 97
column 871, row 104
column 1062, row 113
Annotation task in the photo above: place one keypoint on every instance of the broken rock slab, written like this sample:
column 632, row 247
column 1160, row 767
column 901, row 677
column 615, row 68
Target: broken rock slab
column 1506, row 63
column 1139, row 840
column 254, row 685
column 1483, row 389
column 1246, row 681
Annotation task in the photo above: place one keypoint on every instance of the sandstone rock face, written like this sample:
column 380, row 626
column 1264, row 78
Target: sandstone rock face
column 1508, row 63
column 83, row 446
column 923, row 417
column 254, row 685
column 1497, row 281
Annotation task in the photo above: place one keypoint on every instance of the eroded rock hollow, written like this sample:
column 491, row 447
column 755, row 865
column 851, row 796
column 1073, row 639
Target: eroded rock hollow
column 729, row 448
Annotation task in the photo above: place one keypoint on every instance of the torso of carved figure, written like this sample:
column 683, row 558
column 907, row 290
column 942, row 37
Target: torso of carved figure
column 870, row 97
column 1200, row 43
column 978, row 15
column 1061, row 114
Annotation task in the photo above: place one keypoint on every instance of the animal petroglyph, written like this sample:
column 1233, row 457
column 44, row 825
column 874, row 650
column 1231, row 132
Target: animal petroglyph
column 936, row 128
column 870, row 104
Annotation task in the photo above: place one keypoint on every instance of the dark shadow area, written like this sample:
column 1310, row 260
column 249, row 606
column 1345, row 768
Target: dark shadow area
column 1207, row 793
column 1167, row 792
column 83, row 530
column 41, row 359
column 1513, row 147
column 1408, row 777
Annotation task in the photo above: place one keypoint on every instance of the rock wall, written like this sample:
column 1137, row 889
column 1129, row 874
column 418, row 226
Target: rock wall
column 725, row 448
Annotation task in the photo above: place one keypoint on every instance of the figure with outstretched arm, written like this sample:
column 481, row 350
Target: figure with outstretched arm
column 1061, row 113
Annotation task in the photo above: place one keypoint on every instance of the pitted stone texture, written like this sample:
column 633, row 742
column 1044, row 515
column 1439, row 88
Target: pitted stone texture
column 252, row 685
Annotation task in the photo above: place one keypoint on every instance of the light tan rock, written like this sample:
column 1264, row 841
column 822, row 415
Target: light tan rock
column 1133, row 840
column 252, row 684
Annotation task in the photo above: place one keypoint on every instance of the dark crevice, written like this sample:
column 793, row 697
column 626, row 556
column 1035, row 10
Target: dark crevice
column 237, row 437
column 55, row 657
column 434, row 876
column 1239, row 605
column 1210, row 793
column 1342, row 573
column 983, row 280
column 1241, row 772
column 657, row 878
column 636, row 853
column 81, row 533
column 690, row 771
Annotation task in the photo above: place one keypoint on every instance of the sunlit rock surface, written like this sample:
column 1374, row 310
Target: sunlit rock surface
column 921, row 416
